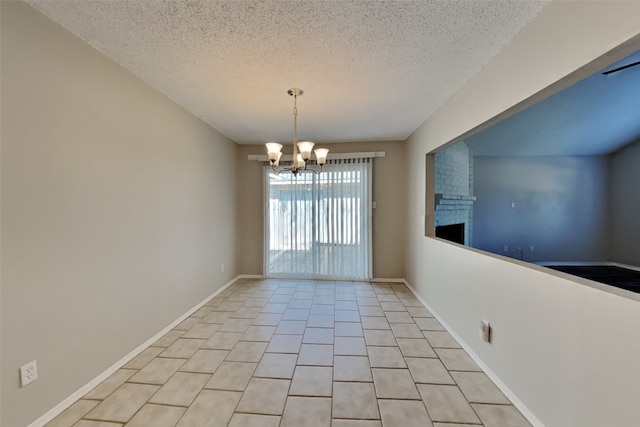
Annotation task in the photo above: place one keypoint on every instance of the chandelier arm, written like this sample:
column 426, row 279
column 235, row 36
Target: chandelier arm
column 278, row 170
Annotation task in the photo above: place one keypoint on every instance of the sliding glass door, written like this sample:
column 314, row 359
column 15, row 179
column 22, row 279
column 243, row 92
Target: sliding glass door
column 319, row 226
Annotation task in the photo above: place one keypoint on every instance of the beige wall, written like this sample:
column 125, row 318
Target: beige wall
column 117, row 211
column 250, row 211
column 568, row 351
column 389, row 192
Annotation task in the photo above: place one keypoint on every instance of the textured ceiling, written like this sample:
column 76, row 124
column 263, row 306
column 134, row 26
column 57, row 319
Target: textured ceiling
column 371, row 70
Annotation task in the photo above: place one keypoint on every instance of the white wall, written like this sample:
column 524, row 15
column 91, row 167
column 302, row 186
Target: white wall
column 117, row 211
column 625, row 205
column 561, row 206
column 568, row 351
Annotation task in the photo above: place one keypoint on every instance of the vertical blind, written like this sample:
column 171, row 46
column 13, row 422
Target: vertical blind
column 319, row 226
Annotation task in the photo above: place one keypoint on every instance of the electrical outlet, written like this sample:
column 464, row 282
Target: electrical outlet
column 221, row 268
column 28, row 373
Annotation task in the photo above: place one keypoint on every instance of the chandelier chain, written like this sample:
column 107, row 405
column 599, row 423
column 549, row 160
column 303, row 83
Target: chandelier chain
column 295, row 119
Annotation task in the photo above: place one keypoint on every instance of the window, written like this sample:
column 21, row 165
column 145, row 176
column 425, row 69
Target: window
column 318, row 226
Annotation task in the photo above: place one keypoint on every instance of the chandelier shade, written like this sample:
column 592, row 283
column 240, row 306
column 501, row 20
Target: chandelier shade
column 301, row 149
column 274, row 152
column 305, row 148
column 321, row 155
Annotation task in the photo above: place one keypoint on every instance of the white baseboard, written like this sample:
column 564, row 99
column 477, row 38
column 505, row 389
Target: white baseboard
column 60, row 407
column 374, row 279
column 387, row 280
column 502, row 386
column 249, row 276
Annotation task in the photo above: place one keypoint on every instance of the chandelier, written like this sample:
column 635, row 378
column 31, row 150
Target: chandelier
column 301, row 150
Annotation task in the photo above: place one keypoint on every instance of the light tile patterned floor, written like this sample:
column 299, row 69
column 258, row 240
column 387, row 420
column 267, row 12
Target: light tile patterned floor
column 291, row 353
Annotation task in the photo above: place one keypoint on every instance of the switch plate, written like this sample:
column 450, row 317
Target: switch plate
column 28, row 373
column 485, row 331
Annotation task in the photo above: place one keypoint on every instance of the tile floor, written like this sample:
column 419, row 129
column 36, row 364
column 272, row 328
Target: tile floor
column 287, row 353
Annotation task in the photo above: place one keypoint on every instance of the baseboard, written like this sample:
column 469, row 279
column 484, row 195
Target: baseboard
column 502, row 386
column 387, row 280
column 373, row 280
column 60, row 407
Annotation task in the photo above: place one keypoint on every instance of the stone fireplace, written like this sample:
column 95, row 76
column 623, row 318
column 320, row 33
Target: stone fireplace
column 454, row 189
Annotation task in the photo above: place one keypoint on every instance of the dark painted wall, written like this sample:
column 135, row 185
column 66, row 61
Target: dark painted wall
column 560, row 207
column 624, row 244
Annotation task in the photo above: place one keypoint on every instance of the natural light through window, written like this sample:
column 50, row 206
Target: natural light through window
column 319, row 225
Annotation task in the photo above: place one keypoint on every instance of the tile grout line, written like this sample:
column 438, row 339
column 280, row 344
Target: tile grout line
column 516, row 402
column 248, row 293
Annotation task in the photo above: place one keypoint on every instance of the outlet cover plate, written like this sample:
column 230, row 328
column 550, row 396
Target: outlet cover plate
column 28, row 373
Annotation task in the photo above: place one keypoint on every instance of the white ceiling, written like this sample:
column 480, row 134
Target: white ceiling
column 371, row 70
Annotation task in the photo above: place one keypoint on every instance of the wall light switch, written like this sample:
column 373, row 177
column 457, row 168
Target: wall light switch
column 485, row 331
